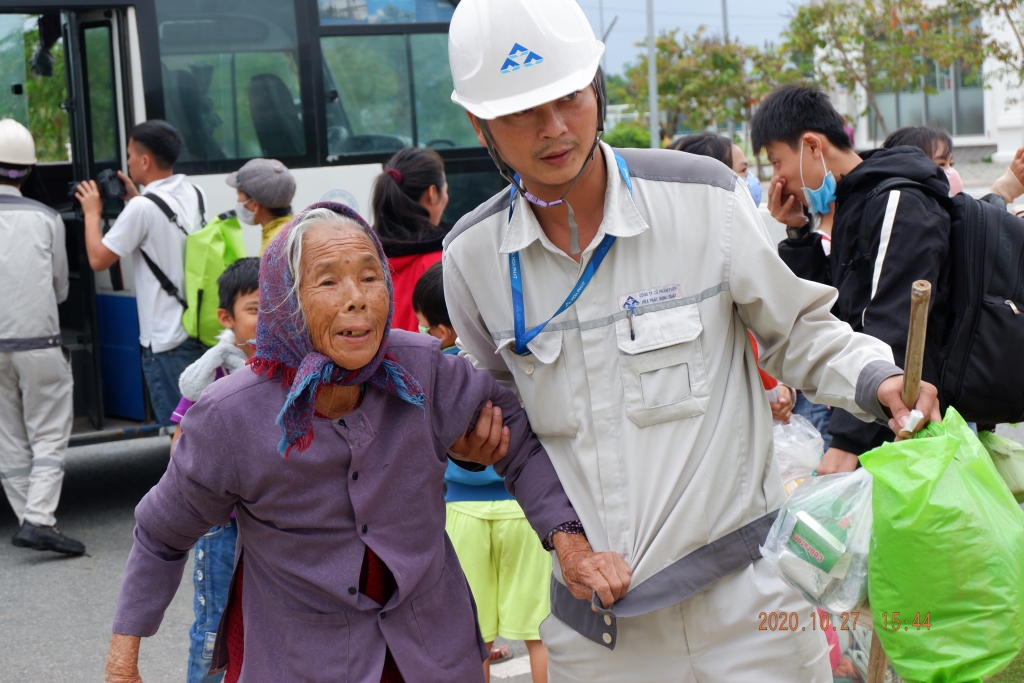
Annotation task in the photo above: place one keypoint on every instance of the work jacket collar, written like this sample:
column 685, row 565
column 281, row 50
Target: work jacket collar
column 621, row 217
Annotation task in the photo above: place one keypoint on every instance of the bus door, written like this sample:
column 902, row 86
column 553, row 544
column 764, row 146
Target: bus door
column 62, row 74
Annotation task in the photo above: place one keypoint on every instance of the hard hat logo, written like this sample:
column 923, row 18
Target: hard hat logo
column 518, row 52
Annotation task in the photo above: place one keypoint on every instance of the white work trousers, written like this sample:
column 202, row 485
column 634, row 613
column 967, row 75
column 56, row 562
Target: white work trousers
column 36, row 412
column 712, row 637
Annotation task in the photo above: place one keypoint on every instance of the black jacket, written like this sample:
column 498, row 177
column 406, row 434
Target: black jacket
column 917, row 249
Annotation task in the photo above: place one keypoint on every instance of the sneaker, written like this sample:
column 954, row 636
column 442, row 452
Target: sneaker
column 46, row 538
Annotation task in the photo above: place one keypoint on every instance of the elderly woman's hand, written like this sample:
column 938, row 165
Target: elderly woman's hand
column 123, row 660
column 487, row 442
column 586, row 572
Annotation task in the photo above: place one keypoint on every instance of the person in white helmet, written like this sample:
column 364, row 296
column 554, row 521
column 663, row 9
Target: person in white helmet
column 613, row 290
column 35, row 377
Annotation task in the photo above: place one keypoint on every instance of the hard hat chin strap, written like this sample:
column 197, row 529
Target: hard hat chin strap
column 509, row 174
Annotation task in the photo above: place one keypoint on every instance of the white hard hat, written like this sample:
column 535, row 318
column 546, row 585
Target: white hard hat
column 511, row 55
column 16, row 145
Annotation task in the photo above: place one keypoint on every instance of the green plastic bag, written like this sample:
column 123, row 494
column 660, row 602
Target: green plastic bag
column 207, row 253
column 946, row 564
column 1008, row 457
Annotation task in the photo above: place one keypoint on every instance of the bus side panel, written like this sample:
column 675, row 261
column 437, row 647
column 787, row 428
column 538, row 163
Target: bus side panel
column 118, row 322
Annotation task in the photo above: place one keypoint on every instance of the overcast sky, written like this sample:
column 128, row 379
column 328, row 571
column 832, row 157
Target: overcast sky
column 750, row 21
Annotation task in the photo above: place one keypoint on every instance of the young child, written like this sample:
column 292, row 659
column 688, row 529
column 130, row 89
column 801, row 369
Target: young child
column 215, row 552
column 507, row 569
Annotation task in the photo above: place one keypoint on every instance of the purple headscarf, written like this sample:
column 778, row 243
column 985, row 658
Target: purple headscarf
column 284, row 348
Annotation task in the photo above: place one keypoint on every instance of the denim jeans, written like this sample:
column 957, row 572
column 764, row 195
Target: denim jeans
column 162, row 371
column 211, row 576
column 819, row 416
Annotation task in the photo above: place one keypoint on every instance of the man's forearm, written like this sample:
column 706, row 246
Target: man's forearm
column 100, row 257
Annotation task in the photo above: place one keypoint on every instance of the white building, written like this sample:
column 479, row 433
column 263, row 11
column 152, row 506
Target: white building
column 984, row 119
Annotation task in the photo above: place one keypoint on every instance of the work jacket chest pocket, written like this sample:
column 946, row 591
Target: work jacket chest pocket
column 662, row 366
column 543, row 382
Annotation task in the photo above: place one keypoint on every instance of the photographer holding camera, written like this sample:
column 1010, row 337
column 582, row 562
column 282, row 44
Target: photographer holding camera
column 152, row 229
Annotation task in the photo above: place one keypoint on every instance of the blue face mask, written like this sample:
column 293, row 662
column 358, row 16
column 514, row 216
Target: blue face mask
column 818, row 200
column 754, row 186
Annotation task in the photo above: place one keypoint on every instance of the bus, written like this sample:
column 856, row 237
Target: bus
column 331, row 88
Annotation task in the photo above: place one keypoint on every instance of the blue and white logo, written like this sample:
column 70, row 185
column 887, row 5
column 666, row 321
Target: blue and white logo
column 630, row 303
column 518, row 52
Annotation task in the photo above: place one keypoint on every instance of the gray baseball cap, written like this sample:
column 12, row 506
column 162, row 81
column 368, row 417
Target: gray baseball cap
column 268, row 181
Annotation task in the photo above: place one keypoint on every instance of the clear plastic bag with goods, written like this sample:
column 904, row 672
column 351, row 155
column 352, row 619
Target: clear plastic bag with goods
column 946, row 574
column 819, row 542
column 798, row 450
column 1008, row 457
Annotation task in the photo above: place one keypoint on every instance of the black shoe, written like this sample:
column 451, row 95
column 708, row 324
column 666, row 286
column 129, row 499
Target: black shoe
column 46, row 538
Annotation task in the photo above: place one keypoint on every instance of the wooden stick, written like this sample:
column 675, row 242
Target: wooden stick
column 877, row 661
column 920, row 295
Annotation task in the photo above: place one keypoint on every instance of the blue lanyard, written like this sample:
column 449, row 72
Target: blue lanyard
column 524, row 336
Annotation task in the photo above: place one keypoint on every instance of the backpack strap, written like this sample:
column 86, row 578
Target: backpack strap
column 167, row 210
column 202, row 207
column 165, row 282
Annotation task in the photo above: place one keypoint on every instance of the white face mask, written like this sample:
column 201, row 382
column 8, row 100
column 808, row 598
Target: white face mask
column 245, row 215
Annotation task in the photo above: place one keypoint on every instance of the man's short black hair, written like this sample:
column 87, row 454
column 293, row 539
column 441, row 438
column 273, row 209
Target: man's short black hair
column 428, row 297
column 935, row 142
column 160, row 139
column 792, row 110
column 240, row 278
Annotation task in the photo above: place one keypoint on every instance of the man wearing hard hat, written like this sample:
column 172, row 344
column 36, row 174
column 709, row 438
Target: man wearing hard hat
column 613, row 290
column 35, row 377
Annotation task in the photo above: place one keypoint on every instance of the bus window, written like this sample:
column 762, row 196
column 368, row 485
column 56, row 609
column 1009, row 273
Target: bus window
column 385, row 11
column 369, row 109
column 34, row 96
column 101, row 103
column 440, row 123
column 231, row 78
column 372, row 101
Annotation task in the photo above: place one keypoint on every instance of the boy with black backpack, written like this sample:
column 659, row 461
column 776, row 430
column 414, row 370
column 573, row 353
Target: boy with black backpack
column 155, row 242
column 895, row 223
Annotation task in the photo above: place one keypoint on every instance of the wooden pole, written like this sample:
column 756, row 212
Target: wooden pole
column 877, row 661
column 920, row 295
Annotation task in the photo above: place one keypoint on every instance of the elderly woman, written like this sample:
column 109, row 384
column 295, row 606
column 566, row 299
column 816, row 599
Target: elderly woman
column 347, row 571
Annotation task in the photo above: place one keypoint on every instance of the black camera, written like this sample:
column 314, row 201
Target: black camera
column 109, row 184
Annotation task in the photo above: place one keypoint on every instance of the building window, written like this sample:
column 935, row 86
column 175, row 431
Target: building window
column 957, row 105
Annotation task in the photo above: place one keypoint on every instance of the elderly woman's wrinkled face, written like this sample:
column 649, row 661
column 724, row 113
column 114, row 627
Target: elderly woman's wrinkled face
column 342, row 293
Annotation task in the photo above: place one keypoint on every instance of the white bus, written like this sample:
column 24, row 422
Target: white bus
column 332, row 88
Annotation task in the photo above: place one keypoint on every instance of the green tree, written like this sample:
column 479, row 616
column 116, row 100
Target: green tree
column 887, row 45
column 616, row 89
column 700, row 79
column 628, row 134
column 47, row 121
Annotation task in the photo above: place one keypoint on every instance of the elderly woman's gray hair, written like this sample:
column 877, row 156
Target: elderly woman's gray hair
column 315, row 218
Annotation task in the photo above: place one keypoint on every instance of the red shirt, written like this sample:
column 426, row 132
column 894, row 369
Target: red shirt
column 405, row 273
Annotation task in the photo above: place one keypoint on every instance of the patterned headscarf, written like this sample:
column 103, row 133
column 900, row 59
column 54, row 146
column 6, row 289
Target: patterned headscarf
column 284, row 347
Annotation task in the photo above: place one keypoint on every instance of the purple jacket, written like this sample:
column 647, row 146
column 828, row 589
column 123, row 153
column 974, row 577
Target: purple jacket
column 373, row 478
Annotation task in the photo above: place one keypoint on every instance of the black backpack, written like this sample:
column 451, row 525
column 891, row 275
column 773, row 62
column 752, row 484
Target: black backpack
column 982, row 356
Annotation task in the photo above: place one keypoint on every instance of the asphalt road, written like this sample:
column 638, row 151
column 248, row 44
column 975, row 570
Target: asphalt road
column 55, row 612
